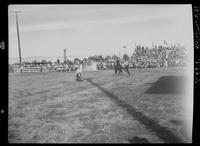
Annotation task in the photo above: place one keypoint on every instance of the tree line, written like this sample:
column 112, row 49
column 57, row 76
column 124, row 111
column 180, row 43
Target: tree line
column 154, row 56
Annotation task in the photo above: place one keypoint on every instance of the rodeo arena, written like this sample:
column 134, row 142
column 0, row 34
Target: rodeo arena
column 134, row 98
column 100, row 73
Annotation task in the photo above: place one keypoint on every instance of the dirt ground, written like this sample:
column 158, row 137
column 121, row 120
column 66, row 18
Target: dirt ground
column 145, row 107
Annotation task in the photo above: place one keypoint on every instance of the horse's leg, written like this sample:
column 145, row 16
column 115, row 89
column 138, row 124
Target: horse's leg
column 124, row 68
column 120, row 69
column 115, row 70
column 128, row 70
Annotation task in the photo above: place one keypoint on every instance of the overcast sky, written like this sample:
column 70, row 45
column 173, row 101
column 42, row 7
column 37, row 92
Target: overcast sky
column 45, row 30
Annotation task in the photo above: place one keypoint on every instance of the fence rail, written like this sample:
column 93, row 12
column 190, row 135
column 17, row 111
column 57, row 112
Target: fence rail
column 32, row 69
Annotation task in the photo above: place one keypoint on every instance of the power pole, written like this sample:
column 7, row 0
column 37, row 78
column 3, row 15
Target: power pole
column 16, row 14
column 65, row 55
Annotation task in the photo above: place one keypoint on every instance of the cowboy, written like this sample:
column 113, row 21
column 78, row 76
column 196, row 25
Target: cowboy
column 79, row 71
column 21, row 68
column 118, row 67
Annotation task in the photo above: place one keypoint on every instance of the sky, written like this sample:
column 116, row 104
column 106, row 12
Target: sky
column 85, row 30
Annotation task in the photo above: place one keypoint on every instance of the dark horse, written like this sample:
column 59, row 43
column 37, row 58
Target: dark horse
column 78, row 76
column 119, row 68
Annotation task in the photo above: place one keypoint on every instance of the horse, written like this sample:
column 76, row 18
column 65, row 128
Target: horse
column 126, row 69
column 78, row 76
column 119, row 68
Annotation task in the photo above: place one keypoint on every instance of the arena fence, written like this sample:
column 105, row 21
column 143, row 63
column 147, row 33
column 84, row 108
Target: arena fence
column 32, row 69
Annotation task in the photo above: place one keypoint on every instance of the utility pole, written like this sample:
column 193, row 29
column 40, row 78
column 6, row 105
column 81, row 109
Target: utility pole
column 16, row 14
column 65, row 55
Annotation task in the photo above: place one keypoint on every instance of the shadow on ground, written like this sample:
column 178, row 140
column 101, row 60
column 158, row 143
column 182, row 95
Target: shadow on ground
column 162, row 132
column 168, row 85
column 137, row 139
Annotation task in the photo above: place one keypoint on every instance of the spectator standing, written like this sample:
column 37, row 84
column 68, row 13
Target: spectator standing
column 21, row 68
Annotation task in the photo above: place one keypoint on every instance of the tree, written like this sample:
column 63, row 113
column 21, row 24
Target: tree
column 77, row 60
column 69, row 62
column 85, row 59
column 100, row 58
column 34, row 62
column 108, row 58
column 50, row 62
column 114, row 57
column 43, row 61
column 125, row 57
column 93, row 58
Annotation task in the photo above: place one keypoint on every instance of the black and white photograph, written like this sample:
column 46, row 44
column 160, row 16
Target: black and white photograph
column 100, row 73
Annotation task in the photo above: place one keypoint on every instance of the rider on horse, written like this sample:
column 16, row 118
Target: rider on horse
column 124, row 66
